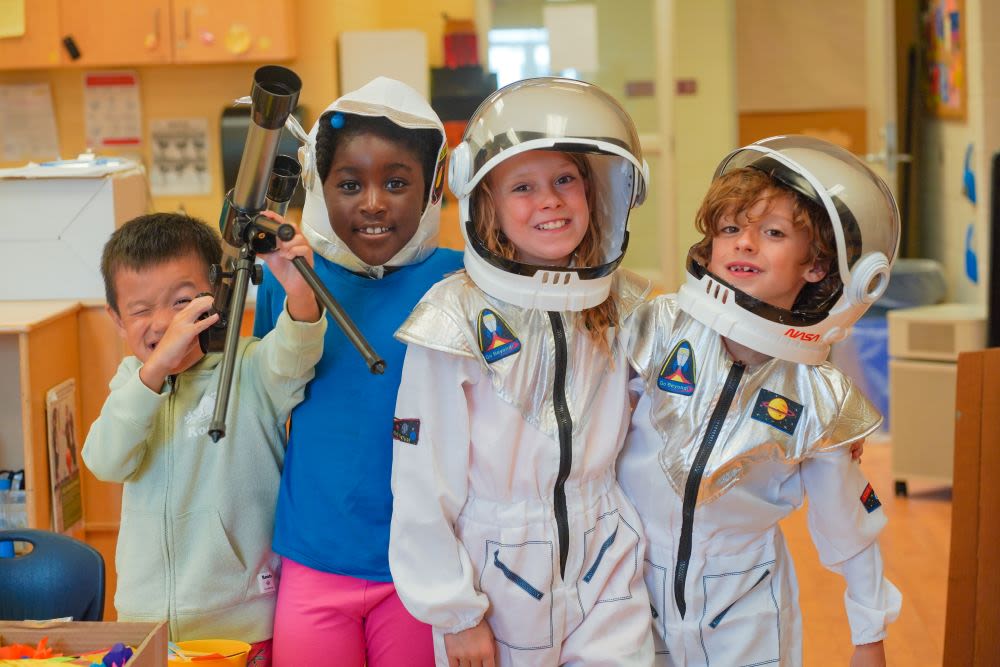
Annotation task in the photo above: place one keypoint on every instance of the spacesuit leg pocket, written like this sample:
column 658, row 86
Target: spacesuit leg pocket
column 656, row 583
column 610, row 561
column 740, row 618
column 517, row 578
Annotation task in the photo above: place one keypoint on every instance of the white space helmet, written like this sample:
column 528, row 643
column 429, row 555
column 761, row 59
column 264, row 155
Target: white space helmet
column 866, row 229
column 560, row 115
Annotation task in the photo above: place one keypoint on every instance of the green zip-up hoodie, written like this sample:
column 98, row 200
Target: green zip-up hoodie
column 194, row 546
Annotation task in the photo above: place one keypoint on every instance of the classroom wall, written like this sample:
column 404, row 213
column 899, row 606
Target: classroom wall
column 175, row 91
column 801, row 68
column 705, row 124
column 800, row 54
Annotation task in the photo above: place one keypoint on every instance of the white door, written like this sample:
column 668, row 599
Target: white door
column 883, row 120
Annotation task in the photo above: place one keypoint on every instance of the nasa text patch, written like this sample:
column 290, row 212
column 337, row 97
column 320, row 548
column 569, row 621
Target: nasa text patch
column 870, row 500
column 406, row 430
column 777, row 411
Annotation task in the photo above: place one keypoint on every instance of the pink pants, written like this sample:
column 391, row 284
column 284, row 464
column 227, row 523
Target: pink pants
column 329, row 619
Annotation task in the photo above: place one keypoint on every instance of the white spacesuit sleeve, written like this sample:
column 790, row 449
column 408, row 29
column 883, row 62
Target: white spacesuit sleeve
column 845, row 519
column 430, row 567
column 871, row 600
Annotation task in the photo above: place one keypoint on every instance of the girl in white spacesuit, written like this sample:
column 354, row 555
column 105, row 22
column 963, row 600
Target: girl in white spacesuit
column 740, row 419
column 510, row 535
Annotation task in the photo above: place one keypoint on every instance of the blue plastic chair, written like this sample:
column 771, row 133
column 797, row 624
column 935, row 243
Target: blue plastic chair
column 60, row 577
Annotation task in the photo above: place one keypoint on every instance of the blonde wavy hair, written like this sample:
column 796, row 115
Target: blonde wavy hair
column 596, row 320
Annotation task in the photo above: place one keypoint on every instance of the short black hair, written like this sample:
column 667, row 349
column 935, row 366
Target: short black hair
column 155, row 238
column 423, row 143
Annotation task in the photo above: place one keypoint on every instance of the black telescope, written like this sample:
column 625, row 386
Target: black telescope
column 265, row 182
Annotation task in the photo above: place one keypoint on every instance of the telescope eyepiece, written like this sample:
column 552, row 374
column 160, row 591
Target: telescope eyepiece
column 274, row 95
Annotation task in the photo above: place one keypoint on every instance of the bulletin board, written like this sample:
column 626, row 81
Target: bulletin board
column 946, row 75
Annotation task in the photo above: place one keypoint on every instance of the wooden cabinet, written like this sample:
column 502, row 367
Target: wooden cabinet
column 43, row 343
column 39, row 45
column 970, row 634
column 38, row 350
column 221, row 31
column 112, row 33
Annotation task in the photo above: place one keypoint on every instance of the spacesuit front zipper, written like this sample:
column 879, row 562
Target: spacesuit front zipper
column 565, row 422
column 168, row 537
column 693, row 482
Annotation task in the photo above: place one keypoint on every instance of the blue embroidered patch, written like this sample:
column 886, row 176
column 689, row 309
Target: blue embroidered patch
column 496, row 339
column 777, row 411
column 678, row 373
column 406, row 430
column 870, row 500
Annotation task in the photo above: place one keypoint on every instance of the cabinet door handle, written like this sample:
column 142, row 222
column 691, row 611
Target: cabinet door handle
column 156, row 24
column 187, row 24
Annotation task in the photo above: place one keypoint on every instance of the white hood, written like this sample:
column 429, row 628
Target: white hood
column 405, row 107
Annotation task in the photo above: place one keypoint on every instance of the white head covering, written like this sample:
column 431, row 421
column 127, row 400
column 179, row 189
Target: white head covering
column 405, row 107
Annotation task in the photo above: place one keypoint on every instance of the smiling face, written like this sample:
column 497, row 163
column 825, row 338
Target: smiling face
column 541, row 206
column 374, row 195
column 761, row 251
column 148, row 298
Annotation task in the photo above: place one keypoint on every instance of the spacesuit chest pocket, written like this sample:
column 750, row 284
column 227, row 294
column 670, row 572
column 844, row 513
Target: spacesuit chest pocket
column 610, row 561
column 739, row 624
column 517, row 578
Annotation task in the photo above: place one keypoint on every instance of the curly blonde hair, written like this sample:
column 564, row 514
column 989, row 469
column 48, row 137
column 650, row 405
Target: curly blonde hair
column 596, row 320
column 738, row 191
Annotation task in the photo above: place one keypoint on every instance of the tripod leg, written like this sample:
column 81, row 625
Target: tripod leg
column 237, row 303
column 375, row 364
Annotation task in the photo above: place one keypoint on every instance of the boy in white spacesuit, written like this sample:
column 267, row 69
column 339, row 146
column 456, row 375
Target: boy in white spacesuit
column 510, row 535
column 740, row 418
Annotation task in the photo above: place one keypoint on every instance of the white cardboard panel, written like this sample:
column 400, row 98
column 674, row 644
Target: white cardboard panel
column 53, row 231
column 397, row 54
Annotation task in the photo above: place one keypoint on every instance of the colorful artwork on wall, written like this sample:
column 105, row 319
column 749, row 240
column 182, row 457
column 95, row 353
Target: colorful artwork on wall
column 945, row 70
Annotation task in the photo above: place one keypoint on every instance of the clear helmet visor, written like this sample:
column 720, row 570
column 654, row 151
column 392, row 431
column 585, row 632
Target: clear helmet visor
column 858, row 203
column 567, row 116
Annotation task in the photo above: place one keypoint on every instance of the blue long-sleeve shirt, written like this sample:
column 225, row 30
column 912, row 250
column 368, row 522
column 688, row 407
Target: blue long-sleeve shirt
column 335, row 502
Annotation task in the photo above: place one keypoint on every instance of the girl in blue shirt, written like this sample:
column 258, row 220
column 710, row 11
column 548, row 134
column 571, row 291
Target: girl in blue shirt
column 373, row 173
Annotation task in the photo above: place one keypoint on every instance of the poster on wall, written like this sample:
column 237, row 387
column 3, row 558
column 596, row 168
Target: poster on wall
column 180, row 156
column 112, row 113
column 27, row 123
column 945, row 72
column 64, row 459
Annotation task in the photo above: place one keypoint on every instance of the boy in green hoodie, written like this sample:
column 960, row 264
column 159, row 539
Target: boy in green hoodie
column 197, row 516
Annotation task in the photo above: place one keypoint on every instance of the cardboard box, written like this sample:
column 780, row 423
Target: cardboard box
column 54, row 229
column 148, row 640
